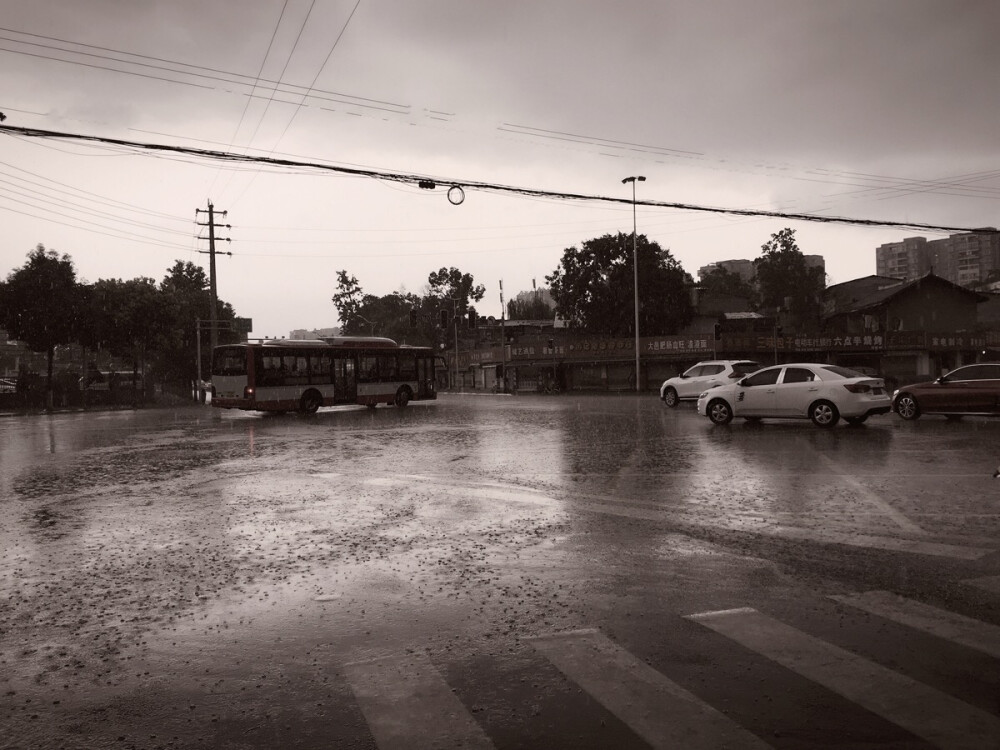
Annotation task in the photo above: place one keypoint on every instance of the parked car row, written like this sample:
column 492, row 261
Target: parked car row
column 823, row 393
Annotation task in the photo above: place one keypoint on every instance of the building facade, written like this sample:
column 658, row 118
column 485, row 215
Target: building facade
column 964, row 259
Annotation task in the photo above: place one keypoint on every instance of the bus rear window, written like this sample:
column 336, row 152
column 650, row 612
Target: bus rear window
column 230, row 361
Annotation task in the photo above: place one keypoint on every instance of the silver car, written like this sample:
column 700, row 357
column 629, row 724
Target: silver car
column 702, row 376
column 800, row 390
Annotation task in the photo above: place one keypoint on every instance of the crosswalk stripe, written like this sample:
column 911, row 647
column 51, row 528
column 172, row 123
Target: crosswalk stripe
column 928, row 713
column 409, row 706
column 958, row 628
column 660, row 711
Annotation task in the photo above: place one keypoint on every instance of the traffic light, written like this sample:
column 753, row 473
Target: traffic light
column 444, row 317
column 718, row 331
column 552, row 343
column 413, row 317
column 472, row 317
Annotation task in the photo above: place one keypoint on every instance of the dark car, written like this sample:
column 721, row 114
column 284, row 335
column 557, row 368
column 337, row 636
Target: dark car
column 973, row 389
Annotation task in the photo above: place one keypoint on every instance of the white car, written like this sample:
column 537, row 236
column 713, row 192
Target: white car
column 822, row 393
column 703, row 376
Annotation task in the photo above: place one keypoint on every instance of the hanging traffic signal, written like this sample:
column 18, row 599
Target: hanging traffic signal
column 473, row 318
column 444, row 317
column 718, row 331
column 413, row 317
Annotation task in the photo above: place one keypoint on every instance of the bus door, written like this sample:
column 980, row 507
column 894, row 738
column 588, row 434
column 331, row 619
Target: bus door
column 345, row 384
column 425, row 376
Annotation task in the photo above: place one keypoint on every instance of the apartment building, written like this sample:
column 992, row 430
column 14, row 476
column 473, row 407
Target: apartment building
column 963, row 259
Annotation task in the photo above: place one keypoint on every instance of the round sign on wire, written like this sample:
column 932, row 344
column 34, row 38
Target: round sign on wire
column 456, row 195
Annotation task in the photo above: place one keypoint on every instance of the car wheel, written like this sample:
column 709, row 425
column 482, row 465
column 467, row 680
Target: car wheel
column 824, row 414
column 670, row 397
column 856, row 420
column 310, row 402
column 720, row 412
column 402, row 397
column 907, row 406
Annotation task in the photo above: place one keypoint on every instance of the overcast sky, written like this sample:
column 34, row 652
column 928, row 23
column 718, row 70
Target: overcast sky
column 880, row 110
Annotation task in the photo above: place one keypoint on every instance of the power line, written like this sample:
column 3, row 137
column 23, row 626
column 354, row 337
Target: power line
column 422, row 180
column 885, row 186
column 187, row 69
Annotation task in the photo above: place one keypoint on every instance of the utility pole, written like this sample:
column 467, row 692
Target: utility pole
column 214, row 324
column 503, row 345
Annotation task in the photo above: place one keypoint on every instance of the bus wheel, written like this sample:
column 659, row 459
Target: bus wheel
column 402, row 397
column 310, row 402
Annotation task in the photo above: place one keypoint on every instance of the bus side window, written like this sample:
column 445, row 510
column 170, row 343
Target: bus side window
column 407, row 366
column 296, row 369
column 272, row 370
column 319, row 368
column 387, row 366
column 369, row 368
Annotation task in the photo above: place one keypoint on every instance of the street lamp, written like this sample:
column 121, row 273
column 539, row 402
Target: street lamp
column 635, row 275
column 359, row 315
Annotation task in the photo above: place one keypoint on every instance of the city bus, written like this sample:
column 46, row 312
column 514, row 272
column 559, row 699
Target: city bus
column 282, row 375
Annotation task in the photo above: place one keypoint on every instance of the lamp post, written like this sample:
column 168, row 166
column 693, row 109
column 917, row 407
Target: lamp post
column 359, row 315
column 635, row 274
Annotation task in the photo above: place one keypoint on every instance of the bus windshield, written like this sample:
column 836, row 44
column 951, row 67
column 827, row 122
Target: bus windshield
column 229, row 360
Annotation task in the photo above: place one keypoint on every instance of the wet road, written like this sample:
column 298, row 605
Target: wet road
column 488, row 571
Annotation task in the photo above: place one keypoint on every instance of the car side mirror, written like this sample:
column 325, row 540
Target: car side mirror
column 742, row 383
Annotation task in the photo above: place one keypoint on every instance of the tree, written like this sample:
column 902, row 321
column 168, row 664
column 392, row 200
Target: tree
column 40, row 305
column 128, row 317
column 186, row 299
column 531, row 306
column 348, row 300
column 785, row 281
column 403, row 316
column 450, row 283
column 594, row 287
column 723, row 283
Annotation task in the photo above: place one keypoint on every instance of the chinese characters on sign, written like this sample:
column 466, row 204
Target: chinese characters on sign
column 701, row 346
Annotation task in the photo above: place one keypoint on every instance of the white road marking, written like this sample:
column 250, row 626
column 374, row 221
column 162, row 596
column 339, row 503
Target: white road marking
column 954, row 627
column 760, row 525
column 661, row 712
column 409, row 706
column 754, row 523
column 916, row 546
column 928, row 713
column 987, row 583
column 873, row 499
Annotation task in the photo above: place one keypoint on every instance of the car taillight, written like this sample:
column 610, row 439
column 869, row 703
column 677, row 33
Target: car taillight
column 857, row 387
column 248, row 392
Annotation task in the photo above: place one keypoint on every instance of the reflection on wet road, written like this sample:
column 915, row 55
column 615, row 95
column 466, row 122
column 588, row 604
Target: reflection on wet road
column 190, row 578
